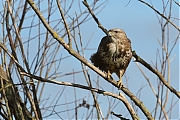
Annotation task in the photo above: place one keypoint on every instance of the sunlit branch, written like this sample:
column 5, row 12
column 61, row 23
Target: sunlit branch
column 121, row 97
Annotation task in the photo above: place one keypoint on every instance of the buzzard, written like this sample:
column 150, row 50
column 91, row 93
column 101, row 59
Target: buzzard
column 114, row 54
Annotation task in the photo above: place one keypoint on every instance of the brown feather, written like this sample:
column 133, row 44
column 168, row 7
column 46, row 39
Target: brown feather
column 114, row 52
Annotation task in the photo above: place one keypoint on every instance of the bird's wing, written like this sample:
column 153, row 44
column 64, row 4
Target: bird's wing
column 104, row 44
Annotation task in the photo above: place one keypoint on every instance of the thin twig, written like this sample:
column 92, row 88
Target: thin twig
column 152, row 88
column 34, row 101
column 177, row 3
column 129, row 107
column 65, row 23
column 140, row 60
column 95, row 18
column 87, row 76
column 120, row 96
column 119, row 116
column 160, row 14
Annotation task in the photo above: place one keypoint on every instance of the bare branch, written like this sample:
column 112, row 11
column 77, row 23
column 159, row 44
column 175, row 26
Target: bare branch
column 160, row 14
column 65, row 23
column 95, row 18
column 152, row 88
column 120, row 96
column 129, row 107
column 177, row 3
column 140, row 60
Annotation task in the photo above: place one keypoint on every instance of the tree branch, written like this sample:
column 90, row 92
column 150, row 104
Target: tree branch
column 140, row 60
column 121, row 97
column 160, row 14
column 95, row 18
column 65, row 23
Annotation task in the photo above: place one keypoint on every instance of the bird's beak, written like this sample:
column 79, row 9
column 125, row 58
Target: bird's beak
column 109, row 33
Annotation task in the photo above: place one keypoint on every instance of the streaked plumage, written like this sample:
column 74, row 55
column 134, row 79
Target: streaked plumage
column 114, row 53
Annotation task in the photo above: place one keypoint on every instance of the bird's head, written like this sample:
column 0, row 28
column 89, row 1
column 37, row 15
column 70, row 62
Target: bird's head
column 117, row 33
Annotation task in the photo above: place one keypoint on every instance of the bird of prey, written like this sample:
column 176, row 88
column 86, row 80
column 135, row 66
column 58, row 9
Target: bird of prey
column 114, row 54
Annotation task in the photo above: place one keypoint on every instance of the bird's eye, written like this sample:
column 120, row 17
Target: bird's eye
column 116, row 31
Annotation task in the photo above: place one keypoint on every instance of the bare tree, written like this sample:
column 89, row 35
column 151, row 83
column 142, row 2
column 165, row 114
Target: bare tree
column 41, row 38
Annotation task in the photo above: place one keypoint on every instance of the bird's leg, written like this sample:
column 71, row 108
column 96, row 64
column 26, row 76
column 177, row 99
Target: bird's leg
column 120, row 84
column 108, row 74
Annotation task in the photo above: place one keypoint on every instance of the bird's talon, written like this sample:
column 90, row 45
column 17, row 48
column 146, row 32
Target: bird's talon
column 120, row 84
column 109, row 74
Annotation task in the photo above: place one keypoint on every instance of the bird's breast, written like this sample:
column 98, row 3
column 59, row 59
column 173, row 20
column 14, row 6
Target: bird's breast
column 112, row 48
